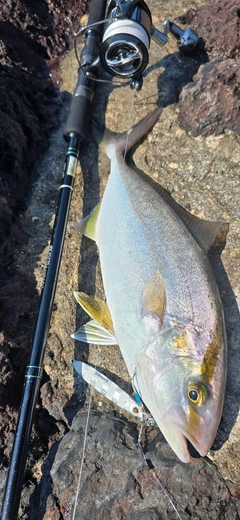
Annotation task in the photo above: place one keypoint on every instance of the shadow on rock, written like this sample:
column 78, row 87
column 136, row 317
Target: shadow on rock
column 41, row 498
column 88, row 251
column 232, row 322
column 179, row 71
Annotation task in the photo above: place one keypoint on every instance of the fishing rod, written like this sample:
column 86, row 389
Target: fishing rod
column 119, row 44
column 76, row 133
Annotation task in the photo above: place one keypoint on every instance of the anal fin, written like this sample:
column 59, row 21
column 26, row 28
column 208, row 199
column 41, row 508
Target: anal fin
column 93, row 333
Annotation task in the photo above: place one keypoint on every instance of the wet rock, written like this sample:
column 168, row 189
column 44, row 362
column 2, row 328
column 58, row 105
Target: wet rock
column 33, row 36
column 117, row 483
column 210, row 103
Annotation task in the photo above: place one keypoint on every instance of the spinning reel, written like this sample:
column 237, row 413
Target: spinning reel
column 126, row 39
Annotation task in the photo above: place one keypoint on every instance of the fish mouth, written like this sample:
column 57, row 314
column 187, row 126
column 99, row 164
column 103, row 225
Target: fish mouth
column 182, row 442
column 189, row 442
column 179, row 438
column 176, row 439
column 181, row 447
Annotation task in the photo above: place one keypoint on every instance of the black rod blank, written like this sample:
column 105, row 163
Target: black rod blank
column 76, row 131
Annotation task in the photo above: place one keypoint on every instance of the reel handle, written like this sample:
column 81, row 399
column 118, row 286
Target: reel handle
column 187, row 39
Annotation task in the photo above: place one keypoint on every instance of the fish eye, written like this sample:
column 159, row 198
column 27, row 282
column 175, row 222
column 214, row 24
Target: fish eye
column 193, row 395
column 196, row 393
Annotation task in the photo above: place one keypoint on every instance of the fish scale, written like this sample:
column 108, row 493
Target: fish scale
column 124, row 245
column 161, row 294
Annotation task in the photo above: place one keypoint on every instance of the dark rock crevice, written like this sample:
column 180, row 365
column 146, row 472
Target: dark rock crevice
column 33, row 37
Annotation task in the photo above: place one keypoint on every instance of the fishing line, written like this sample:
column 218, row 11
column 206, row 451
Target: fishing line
column 154, row 473
column 129, row 125
column 85, row 436
column 84, row 445
column 83, row 454
column 110, row 82
column 113, row 451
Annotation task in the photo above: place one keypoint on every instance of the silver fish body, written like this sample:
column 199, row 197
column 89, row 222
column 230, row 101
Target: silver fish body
column 164, row 303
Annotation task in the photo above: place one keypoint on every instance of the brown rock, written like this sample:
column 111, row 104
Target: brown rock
column 219, row 25
column 52, row 514
column 210, row 103
column 117, row 484
column 53, row 401
column 33, row 36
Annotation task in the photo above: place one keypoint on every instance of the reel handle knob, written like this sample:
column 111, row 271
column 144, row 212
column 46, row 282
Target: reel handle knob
column 187, row 39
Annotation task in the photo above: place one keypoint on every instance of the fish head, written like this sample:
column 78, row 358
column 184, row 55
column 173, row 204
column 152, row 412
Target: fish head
column 184, row 394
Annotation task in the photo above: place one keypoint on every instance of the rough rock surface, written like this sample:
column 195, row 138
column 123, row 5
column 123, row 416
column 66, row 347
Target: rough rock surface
column 33, row 36
column 218, row 25
column 117, row 483
column 210, row 105
column 203, row 175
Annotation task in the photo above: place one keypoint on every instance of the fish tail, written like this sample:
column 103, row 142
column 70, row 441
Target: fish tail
column 108, row 140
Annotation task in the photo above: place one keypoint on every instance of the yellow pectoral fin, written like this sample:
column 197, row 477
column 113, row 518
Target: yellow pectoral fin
column 154, row 297
column 87, row 226
column 97, row 310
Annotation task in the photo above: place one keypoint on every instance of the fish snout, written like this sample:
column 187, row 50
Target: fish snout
column 199, row 429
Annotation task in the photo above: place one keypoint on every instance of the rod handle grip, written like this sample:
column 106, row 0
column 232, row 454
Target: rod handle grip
column 80, row 112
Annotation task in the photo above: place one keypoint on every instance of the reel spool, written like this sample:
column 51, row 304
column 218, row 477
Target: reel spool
column 126, row 40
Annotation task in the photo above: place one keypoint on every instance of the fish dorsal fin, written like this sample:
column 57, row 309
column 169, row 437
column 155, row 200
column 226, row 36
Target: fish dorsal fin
column 154, row 298
column 93, row 333
column 204, row 231
column 109, row 141
column 96, row 309
column 87, row 226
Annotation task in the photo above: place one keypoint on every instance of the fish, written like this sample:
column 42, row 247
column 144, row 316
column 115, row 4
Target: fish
column 163, row 306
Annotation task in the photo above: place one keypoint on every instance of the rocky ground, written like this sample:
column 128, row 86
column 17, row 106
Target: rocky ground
column 193, row 151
